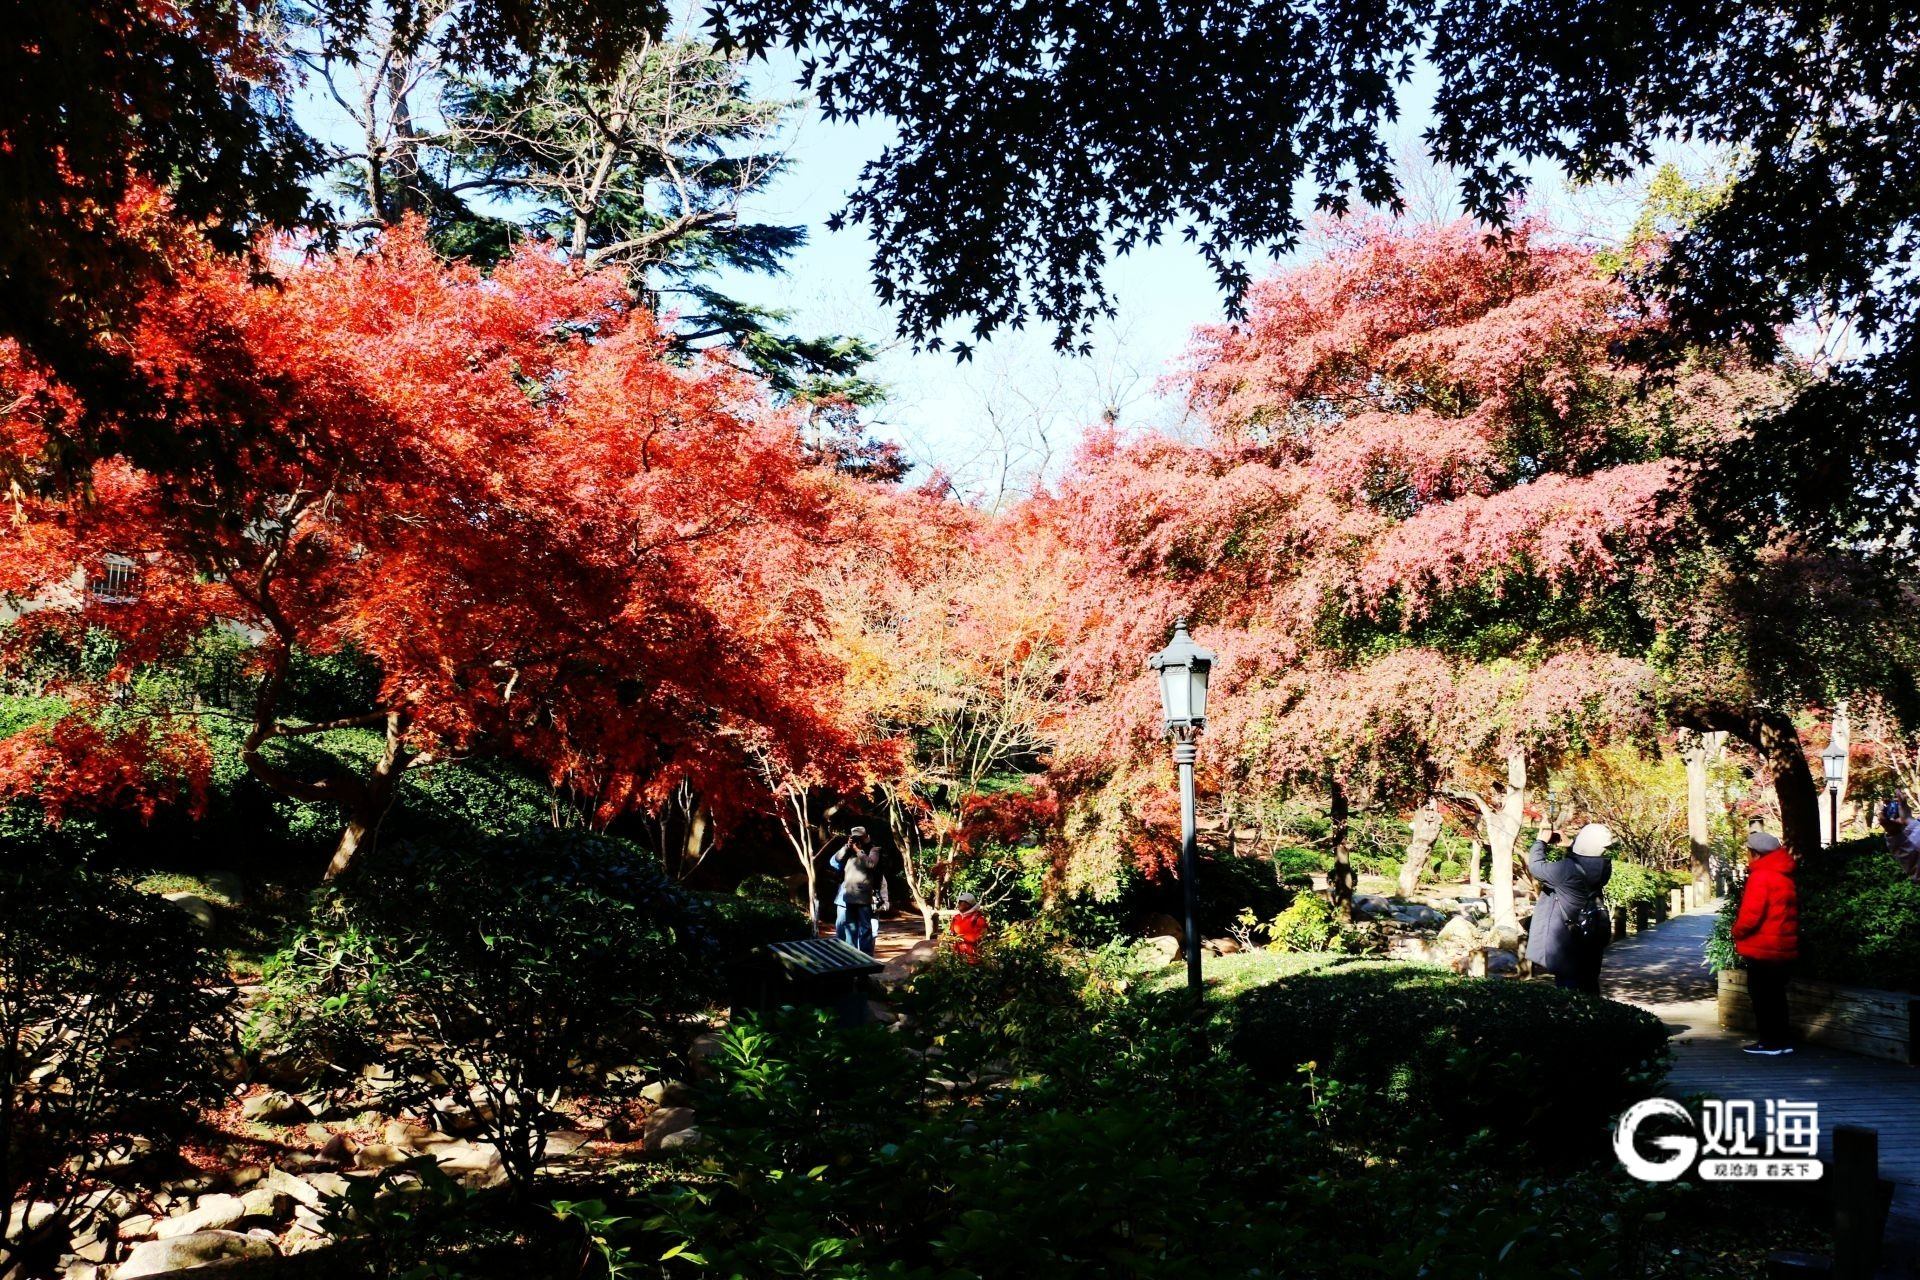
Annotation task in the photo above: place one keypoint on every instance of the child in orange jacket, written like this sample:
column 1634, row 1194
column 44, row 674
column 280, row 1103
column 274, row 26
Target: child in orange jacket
column 968, row 927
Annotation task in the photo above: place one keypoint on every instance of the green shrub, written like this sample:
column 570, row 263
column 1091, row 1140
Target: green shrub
column 510, row 971
column 739, row 925
column 1019, row 1001
column 327, row 998
column 1632, row 885
column 1859, row 918
column 1308, row 924
column 1521, row 1059
column 113, row 1026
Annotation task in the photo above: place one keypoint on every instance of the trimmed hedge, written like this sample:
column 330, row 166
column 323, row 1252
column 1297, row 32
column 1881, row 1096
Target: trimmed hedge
column 1859, row 917
column 1523, row 1060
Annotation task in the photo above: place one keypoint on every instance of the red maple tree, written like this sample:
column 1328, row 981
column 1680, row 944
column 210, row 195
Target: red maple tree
column 550, row 539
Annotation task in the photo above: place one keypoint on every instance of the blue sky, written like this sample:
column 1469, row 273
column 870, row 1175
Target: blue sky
column 1014, row 411
column 1015, row 389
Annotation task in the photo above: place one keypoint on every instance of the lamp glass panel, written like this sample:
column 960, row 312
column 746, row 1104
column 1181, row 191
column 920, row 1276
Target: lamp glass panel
column 1197, row 683
column 1174, row 694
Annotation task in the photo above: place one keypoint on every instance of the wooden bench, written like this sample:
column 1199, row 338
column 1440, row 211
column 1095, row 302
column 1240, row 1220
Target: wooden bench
column 1876, row 1024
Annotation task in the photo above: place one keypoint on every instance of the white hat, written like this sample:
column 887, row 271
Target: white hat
column 1593, row 841
column 1762, row 842
column 967, row 898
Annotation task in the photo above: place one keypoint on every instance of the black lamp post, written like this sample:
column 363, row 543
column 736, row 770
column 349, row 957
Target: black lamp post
column 1833, row 763
column 1183, row 667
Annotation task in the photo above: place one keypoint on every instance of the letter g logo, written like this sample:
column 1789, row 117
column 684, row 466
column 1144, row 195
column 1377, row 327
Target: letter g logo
column 1680, row 1150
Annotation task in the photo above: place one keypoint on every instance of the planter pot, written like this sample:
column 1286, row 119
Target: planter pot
column 1863, row 1020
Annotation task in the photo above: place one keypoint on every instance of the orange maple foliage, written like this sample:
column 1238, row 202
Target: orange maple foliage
column 552, row 540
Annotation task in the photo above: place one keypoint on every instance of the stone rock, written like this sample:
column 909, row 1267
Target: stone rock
column 1417, row 914
column 700, row 1053
column 1162, row 950
column 183, row 1253
column 1221, row 946
column 308, row 1190
column 908, row 962
column 562, row 1143
column 682, row 1140
column 668, row 1093
column 209, row 1213
column 1507, row 939
column 1162, row 925
column 473, row 1164
column 338, row 1151
column 198, row 909
column 1406, row 947
column 380, row 1155
column 1502, row 964
column 1371, row 905
column 136, row 1226
column 78, row 1268
column 267, row 1202
column 880, row 1014
column 408, row 1134
column 1457, row 934
column 1474, row 908
column 665, row 1121
column 225, row 885
column 275, row 1108
column 29, row 1216
column 199, row 1184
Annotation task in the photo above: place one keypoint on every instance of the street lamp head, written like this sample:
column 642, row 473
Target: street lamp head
column 1183, row 667
column 1833, row 762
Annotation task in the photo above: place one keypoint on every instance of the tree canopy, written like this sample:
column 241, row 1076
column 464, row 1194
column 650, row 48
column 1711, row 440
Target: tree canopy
column 548, row 538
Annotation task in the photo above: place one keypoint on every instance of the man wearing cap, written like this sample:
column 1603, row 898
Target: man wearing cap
column 1570, row 928
column 859, row 866
column 1766, row 934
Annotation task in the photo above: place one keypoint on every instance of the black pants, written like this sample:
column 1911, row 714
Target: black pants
column 1583, row 973
column 1767, row 988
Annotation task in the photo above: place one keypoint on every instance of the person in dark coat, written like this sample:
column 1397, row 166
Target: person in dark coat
column 858, row 864
column 1766, row 934
column 1570, row 928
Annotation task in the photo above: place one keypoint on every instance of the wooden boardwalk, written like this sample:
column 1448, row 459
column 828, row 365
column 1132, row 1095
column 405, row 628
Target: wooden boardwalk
column 1662, row 971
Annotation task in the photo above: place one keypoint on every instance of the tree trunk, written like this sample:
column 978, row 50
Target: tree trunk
column 1473, row 866
column 1793, row 783
column 1700, row 750
column 1341, row 881
column 370, row 807
column 1503, row 833
column 1773, row 736
column 1425, row 833
column 906, row 838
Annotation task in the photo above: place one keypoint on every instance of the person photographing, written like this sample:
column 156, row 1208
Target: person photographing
column 859, row 866
column 1571, row 929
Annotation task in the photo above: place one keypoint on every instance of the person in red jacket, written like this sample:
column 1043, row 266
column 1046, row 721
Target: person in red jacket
column 1766, row 933
column 968, row 926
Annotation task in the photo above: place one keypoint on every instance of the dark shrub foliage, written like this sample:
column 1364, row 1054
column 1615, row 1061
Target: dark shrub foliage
column 522, row 967
column 1859, row 917
column 1408, row 1042
column 113, row 1024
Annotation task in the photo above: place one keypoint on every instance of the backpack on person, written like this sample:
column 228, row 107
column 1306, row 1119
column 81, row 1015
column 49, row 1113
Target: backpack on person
column 1590, row 925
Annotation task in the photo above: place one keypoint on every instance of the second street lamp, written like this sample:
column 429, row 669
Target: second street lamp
column 1183, row 667
column 1833, row 763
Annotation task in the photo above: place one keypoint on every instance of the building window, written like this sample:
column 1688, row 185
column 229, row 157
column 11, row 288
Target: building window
column 116, row 580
